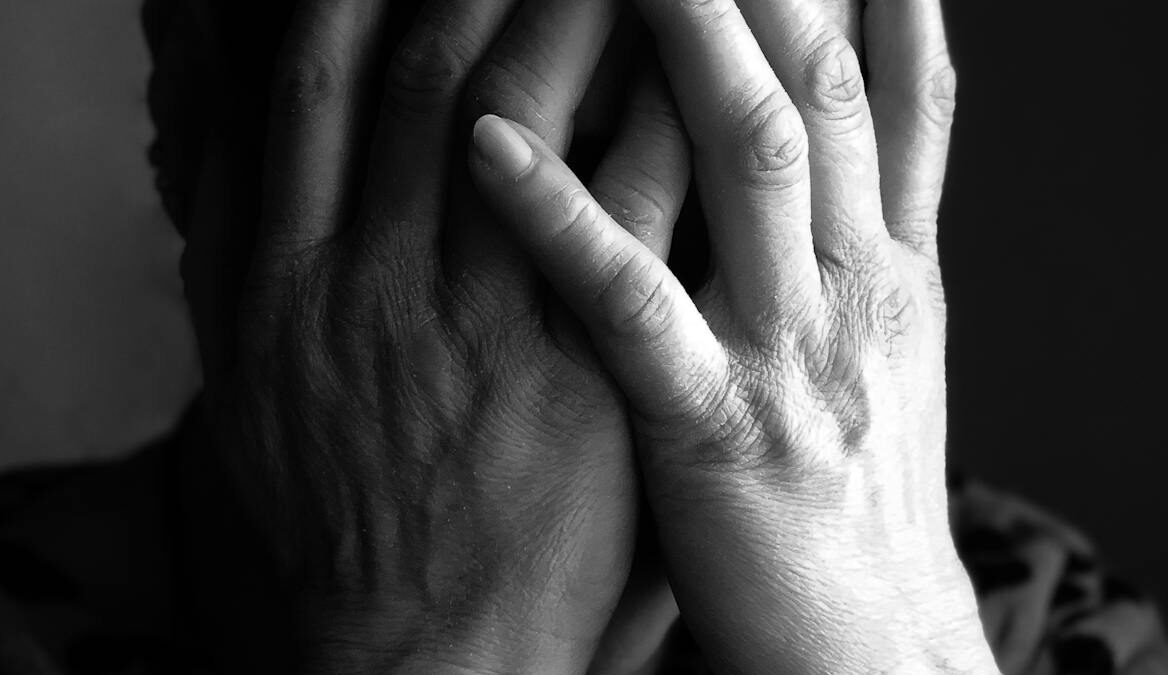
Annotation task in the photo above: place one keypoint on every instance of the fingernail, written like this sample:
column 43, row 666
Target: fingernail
column 501, row 146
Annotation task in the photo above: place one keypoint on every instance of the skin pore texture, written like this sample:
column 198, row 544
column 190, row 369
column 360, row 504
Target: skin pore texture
column 461, row 398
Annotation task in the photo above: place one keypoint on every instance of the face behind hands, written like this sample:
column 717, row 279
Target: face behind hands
column 306, row 170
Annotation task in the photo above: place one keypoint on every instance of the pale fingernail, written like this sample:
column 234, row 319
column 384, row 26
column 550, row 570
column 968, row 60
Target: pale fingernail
column 503, row 149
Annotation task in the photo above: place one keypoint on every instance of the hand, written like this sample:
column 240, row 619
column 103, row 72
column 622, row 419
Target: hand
column 427, row 444
column 790, row 416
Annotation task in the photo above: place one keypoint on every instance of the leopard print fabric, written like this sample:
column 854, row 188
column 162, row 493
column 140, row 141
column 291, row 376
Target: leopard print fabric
column 1046, row 604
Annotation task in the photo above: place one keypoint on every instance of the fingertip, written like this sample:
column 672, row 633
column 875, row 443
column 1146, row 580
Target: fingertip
column 501, row 147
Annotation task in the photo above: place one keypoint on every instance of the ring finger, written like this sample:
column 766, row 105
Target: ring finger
column 750, row 156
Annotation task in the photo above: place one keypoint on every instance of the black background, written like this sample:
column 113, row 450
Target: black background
column 1050, row 250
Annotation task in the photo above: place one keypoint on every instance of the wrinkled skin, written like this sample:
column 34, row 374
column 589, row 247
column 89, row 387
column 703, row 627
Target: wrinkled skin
column 436, row 453
column 790, row 415
column 426, row 443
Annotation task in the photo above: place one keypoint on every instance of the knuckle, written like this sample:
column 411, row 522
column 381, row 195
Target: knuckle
column 943, row 92
column 635, row 197
column 306, row 81
column 873, row 302
column 917, row 234
column 834, row 81
column 635, row 308
column 428, row 69
column 769, row 145
column 656, row 118
column 870, row 293
column 893, row 312
column 576, row 206
column 709, row 13
column 579, row 213
column 936, row 95
column 512, row 87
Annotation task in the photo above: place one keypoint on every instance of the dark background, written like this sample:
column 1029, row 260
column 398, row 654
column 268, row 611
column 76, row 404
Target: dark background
column 1050, row 250
column 1050, row 244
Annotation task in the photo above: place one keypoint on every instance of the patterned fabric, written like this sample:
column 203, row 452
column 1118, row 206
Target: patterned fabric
column 1046, row 605
column 89, row 562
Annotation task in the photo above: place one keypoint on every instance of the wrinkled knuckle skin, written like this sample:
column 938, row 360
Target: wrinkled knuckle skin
column 834, row 81
column 658, row 119
column 853, row 258
column 510, row 87
column 428, row 70
column 710, row 13
column 635, row 310
column 770, row 145
column 636, row 198
column 306, row 81
column 892, row 313
column 937, row 96
column 578, row 211
column 918, row 235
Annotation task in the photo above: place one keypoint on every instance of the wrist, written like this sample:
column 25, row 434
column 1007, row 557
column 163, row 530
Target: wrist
column 956, row 648
column 934, row 633
column 449, row 657
column 857, row 623
column 933, row 628
column 469, row 643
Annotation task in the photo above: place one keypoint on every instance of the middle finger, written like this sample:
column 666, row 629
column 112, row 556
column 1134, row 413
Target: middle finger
column 750, row 155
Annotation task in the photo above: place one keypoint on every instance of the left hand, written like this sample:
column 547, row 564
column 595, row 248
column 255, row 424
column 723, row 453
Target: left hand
column 428, row 450
column 791, row 416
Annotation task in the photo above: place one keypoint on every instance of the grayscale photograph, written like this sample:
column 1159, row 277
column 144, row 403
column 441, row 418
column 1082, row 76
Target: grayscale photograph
column 582, row 337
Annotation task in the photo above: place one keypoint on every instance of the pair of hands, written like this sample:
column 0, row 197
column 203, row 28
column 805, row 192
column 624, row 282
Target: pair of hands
column 452, row 380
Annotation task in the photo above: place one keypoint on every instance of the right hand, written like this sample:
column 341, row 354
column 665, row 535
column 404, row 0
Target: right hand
column 791, row 413
column 427, row 445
